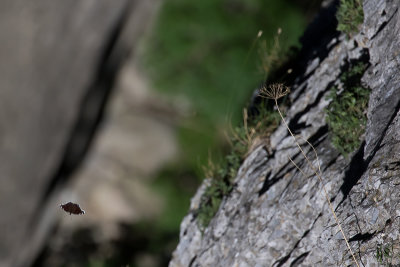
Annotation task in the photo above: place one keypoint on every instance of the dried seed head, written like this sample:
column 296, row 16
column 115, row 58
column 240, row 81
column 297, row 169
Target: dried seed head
column 274, row 91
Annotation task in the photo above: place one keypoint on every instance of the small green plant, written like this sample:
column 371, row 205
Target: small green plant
column 350, row 15
column 254, row 132
column 274, row 92
column 346, row 114
column 211, row 199
column 384, row 254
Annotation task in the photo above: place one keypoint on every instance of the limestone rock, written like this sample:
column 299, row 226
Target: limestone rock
column 277, row 217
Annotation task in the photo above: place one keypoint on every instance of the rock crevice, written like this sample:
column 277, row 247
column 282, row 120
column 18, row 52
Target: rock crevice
column 277, row 217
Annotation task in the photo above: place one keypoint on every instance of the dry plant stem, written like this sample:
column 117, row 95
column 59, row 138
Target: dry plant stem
column 316, row 156
column 315, row 152
column 260, row 32
column 320, row 179
column 249, row 135
column 245, row 117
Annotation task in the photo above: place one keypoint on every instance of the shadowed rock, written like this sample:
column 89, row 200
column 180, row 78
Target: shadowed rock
column 270, row 219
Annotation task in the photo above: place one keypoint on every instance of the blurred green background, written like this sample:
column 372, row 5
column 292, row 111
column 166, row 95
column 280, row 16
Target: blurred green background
column 206, row 51
column 207, row 54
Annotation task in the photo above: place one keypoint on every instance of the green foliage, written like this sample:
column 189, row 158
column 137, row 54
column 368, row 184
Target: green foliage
column 384, row 254
column 200, row 49
column 211, row 200
column 255, row 128
column 222, row 176
column 346, row 114
column 350, row 15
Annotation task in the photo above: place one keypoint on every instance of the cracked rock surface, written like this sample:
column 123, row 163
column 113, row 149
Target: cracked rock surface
column 275, row 216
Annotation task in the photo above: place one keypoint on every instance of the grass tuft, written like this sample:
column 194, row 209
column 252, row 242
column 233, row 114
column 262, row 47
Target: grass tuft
column 254, row 132
column 346, row 114
column 272, row 56
column 350, row 16
column 384, row 254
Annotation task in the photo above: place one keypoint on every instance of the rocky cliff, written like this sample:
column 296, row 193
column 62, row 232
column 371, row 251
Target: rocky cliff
column 275, row 214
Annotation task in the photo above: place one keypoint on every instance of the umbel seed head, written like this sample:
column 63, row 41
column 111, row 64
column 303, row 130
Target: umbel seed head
column 274, row 91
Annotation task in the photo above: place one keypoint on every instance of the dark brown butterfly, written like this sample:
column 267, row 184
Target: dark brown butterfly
column 72, row 208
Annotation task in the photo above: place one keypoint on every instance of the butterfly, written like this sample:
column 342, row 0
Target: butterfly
column 72, row 208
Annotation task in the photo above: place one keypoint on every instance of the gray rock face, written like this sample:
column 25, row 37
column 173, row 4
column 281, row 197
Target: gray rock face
column 275, row 216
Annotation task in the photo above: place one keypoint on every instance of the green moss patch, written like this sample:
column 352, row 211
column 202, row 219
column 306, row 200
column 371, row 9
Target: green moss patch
column 350, row 16
column 346, row 114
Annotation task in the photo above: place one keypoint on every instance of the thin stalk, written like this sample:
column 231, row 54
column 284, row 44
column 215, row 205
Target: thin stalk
column 320, row 179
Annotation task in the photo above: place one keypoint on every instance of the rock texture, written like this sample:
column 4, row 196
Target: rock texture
column 277, row 217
